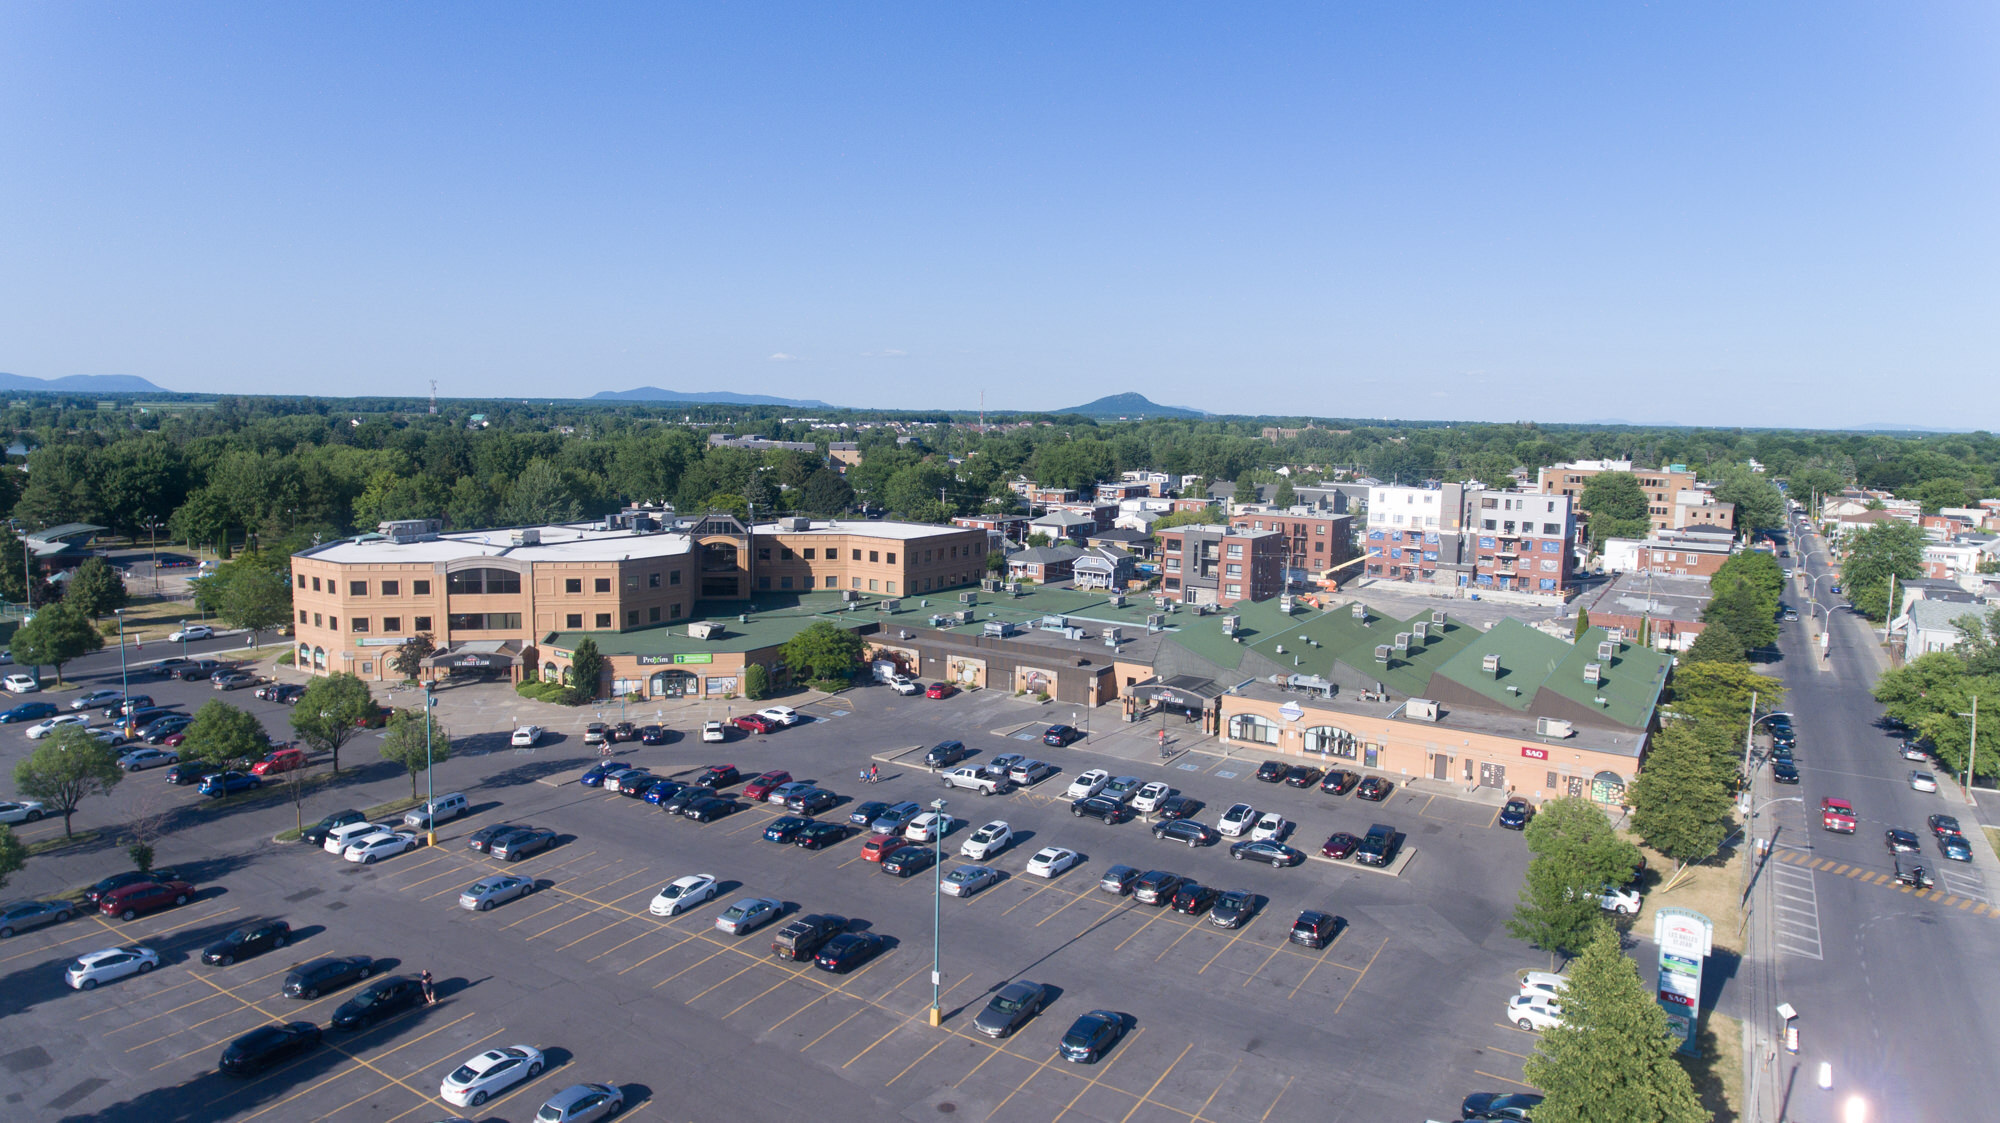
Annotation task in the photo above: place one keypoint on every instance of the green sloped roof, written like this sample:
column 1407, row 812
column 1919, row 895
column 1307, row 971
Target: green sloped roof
column 1406, row 673
column 1320, row 639
column 1631, row 683
column 1527, row 658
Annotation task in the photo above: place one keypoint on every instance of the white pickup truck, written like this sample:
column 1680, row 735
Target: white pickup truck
column 975, row 778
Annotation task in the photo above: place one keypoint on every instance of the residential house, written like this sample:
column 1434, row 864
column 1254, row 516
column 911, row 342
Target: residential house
column 1046, row 564
column 1103, row 567
column 1932, row 625
column 1063, row 526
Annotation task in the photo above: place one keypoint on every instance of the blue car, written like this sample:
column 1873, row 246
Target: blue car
column 29, row 711
column 595, row 777
column 219, row 784
column 664, row 790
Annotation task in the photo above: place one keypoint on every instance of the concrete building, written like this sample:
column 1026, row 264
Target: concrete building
column 1667, row 609
column 1662, row 486
column 1221, row 565
column 1670, row 553
column 1522, row 541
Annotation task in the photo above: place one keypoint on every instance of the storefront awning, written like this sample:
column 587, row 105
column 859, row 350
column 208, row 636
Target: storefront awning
column 1190, row 691
column 477, row 655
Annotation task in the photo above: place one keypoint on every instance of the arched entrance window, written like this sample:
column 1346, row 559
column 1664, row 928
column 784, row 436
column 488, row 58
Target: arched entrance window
column 1331, row 740
column 1251, row 727
column 305, row 656
column 1607, row 787
column 319, row 658
column 551, row 673
column 674, row 684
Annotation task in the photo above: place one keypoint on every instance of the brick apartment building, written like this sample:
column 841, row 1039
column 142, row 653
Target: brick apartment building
column 1220, row 565
column 1663, row 486
column 1315, row 540
column 1522, row 541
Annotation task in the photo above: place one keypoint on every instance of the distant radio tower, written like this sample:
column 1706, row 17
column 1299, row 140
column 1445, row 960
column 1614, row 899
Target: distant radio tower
column 982, row 413
column 434, row 395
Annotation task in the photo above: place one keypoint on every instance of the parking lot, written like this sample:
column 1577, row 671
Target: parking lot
column 1396, row 1018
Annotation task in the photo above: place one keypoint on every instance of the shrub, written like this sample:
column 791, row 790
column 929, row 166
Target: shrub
column 756, row 682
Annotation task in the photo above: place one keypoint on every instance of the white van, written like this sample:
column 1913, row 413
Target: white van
column 439, row 809
column 340, row 838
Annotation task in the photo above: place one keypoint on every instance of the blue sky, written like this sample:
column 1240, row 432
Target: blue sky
column 1696, row 213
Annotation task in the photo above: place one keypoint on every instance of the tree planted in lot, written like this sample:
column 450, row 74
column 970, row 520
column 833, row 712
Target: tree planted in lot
column 223, row 735
column 1715, row 644
column 331, row 711
column 1748, row 613
column 1680, row 806
column 405, row 744
column 257, row 599
column 1612, row 1057
column 13, row 855
column 96, row 588
column 1576, row 855
column 410, row 655
column 59, row 633
column 822, row 652
column 1885, row 550
column 586, row 669
column 67, row 767
column 756, row 682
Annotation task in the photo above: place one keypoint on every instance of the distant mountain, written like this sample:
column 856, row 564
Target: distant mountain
column 1130, row 405
column 724, row 397
column 83, row 383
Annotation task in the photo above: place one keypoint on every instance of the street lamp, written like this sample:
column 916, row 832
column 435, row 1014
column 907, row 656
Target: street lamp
column 183, row 633
column 937, row 905
column 430, row 810
column 124, row 676
column 1972, row 751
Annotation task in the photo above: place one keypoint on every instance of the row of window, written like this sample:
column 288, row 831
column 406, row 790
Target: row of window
column 603, row 584
column 1526, row 528
column 389, row 588
column 391, row 625
column 1297, row 528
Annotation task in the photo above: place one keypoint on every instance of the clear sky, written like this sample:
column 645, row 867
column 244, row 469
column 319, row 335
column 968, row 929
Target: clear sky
column 1768, row 213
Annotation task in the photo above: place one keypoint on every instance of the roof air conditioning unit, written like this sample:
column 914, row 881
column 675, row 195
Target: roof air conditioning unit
column 1422, row 709
column 1285, row 605
column 1490, row 664
column 1402, row 641
column 850, row 594
column 1607, row 649
column 967, row 598
column 704, row 629
column 1359, row 612
column 1552, row 727
column 1381, row 653
column 965, row 616
column 531, row 536
column 1438, row 617
column 1602, row 700
column 1593, row 673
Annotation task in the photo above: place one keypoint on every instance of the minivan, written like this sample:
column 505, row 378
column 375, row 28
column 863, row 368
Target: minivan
column 438, row 810
column 340, row 838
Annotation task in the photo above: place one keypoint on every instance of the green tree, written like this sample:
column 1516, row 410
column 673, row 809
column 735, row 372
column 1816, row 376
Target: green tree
column 1935, row 495
column 996, row 561
column 1720, row 692
column 410, row 655
column 823, row 652
column 96, row 589
column 1575, row 855
column 756, row 682
column 1759, row 503
column 1612, row 1056
column 1680, row 804
column 1285, row 495
column 586, row 669
column 67, row 767
column 826, row 493
column 1616, row 506
column 1746, row 613
column 257, row 598
column 1716, row 643
column 1582, row 625
column 1888, row 549
column 13, row 855
column 331, row 711
column 405, row 743
column 539, row 496
column 1933, row 694
column 225, row 736
column 58, row 633
column 13, row 581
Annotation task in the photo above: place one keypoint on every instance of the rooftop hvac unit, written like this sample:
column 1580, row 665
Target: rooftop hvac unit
column 1602, row 700
column 1285, row 605
column 1402, row 641
column 890, row 605
column 1606, row 650
column 1155, row 621
column 1420, row 631
column 1438, row 617
column 794, row 524
column 937, row 620
column 1117, row 600
column 531, row 536
column 1014, row 587
column 1231, row 623
column 1617, row 634
column 1359, row 612
column 1422, row 709
column 1593, row 673
column 850, row 594
column 1381, row 653
column 967, row 598
column 965, row 616
column 991, row 584
column 704, row 629
column 1112, row 637
column 1490, row 664
column 1552, row 727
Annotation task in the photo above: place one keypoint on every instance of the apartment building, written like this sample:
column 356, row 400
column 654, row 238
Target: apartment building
column 1315, row 540
column 1522, row 541
column 1221, row 565
column 1662, row 486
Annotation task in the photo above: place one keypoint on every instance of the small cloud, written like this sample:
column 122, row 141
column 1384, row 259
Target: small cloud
column 890, row 353
column 781, row 357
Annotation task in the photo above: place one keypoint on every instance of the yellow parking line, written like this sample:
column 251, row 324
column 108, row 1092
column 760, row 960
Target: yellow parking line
column 559, row 924
column 556, row 904
column 1096, row 1080
column 1225, row 1081
column 1361, row 976
column 607, row 927
column 727, row 978
column 344, row 1072
column 836, row 1025
column 690, row 967
column 193, row 977
column 1036, row 1071
column 1497, row 1076
column 993, row 1049
column 661, row 952
column 871, row 1045
column 1261, row 966
column 1177, row 940
column 1309, row 973
column 1288, row 1084
column 1156, row 1084
column 789, row 977
column 620, row 944
column 926, row 1054
column 1050, row 884
column 1078, row 897
column 802, row 1009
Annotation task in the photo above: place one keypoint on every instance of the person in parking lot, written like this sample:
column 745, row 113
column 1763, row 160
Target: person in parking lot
column 430, row 996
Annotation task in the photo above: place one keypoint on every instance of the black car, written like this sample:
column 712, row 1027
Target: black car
column 187, row 772
column 907, row 860
column 1155, row 887
column 1314, row 929
column 652, row 734
column 1090, row 1035
column 483, row 839
column 1179, row 807
column 1942, row 825
column 96, row 892
column 1192, row 898
column 1495, row 1106
column 1232, row 908
column 812, row 801
column 316, row 834
column 785, row 828
column 680, row 801
column 718, row 776
column 157, row 732
column 1268, row 850
column 1009, row 1007
column 1901, row 841
column 818, row 835
column 1374, row 789
column 1339, row 782
column 1108, row 811
column 1186, row 830
column 516, row 845
column 868, row 812
column 1515, row 815
column 710, row 809
column 379, row 1000
column 1060, row 735
column 849, row 949
column 1378, row 846
column 1301, row 776
column 318, row 976
column 247, row 941
column 946, row 753
column 198, row 669
column 261, row 1048
column 1272, row 772
column 1784, row 753
column 1784, row 772
column 1955, row 847
column 633, row 784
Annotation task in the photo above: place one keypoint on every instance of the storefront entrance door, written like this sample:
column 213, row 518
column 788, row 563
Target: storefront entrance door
column 674, row 684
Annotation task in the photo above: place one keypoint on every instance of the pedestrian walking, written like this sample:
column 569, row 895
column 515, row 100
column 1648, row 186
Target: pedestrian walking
column 430, row 996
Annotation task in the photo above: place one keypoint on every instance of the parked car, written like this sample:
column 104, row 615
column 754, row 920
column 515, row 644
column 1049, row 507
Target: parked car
column 1190, row 831
column 1494, row 1107
column 1232, row 908
column 582, row 1103
column 1051, row 860
column 1107, row 811
column 1087, row 784
column 652, row 734
column 96, row 699
column 483, row 839
column 43, row 728
column 23, row 916
column 249, row 940
column 1543, row 982
column 140, row 759
column 964, row 881
column 1118, row 880
column 1267, row 850
column 783, row 793
column 1193, row 898
column 779, row 715
column 1010, row 1007
column 987, row 841
column 761, row 787
column 378, row 1000
column 1062, row 735
column 1339, row 782
column 1301, row 776
column 593, row 733
column 909, row 860
column 373, row 848
column 232, row 680
column 90, row 969
column 756, row 723
column 1534, row 1012
column 1091, row 1035
column 1149, row 797
column 714, row 732
column 660, row 791
column 1516, row 813
column 1156, row 887
column 486, row 1075
column 820, row 834
column 160, row 729
column 1269, row 826
column 1121, row 788
column 1238, row 819
column 711, row 808
column 265, row 1046
column 1942, row 825
column 96, row 893
column 811, row 801
column 785, row 828
column 940, row 690
column 215, row 785
column 1179, row 807
column 315, row 977
column 490, row 892
column 132, row 901
column 622, row 731
column 1028, row 773
column 718, row 776
column 527, row 736
column 849, row 950
column 1375, row 789
column 802, row 937
column 1314, row 929
column 929, row 826
column 198, row 669
column 1923, row 781
column 1271, row 772
column 1339, row 844
column 188, row 772
column 747, row 914
column 865, row 814
column 880, row 846
column 1378, row 847
column 28, row 711
column 20, row 683
column 1000, row 766
column 895, row 817
column 279, row 760
column 680, row 801
column 190, row 632
column 21, row 811
column 1784, row 772
column 516, row 845
column 1955, row 847
column 286, row 692
column 683, row 893
column 944, row 754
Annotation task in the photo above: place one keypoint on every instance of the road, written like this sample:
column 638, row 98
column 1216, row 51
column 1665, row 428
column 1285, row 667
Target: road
column 1889, row 986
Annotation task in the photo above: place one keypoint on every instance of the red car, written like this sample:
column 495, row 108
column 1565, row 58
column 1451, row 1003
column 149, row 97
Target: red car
column 1341, row 845
column 173, row 740
column 940, row 690
column 760, row 788
column 881, row 846
column 282, row 760
column 147, row 896
column 1836, row 815
column 756, row 723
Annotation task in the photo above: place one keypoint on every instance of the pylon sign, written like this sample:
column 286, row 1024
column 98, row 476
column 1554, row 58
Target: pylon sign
column 1685, row 938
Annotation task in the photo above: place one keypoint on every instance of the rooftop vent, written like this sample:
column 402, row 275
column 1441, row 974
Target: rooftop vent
column 968, row 598
column 531, row 536
column 1606, row 650
column 1490, row 664
column 1422, row 709
column 1438, row 617
column 1359, row 612
column 795, row 525
column 704, row 629
column 1552, row 727
column 1381, row 653
column 1402, row 641
column 1593, row 673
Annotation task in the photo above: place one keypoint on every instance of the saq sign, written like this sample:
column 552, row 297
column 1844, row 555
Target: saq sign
column 1533, row 753
column 1685, row 939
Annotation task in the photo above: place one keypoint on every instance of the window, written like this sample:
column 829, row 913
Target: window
column 831, row 583
column 357, row 588
column 1319, row 528
column 1251, row 727
column 857, row 555
column 604, row 619
column 1234, row 591
column 1234, row 570
column 392, row 588
column 889, row 586
column 632, row 581
column 1552, row 528
column 367, row 668
column 631, row 617
column 358, row 624
column 763, row 553
column 573, row 621
column 421, row 624
column 855, row 582
column 315, row 584
column 302, row 612
column 1235, row 549
column 892, row 559
column 485, row 621
column 763, row 582
column 572, row 584
column 652, row 580
column 392, row 623
column 653, row 614
column 673, row 612
column 333, row 623
column 873, row 585
column 318, row 622
column 302, row 580
column 785, row 553
column 1330, row 740
column 874, row 555
column 601, row 584
column 674, row 578
column 420, row 588
column 810, row 552
column 467, row 581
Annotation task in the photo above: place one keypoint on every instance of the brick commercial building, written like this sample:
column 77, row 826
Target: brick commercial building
column 1315, row 540
column 1522, row 541
column 1221, row 565
column 1663, row 487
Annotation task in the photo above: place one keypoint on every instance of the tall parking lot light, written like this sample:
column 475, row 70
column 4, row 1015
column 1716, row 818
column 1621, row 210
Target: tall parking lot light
column 937, row 905
column 430, row 811
column 124, row 676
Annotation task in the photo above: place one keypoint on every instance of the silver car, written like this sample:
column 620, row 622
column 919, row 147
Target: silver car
column 582, row 1103
column 967, row 880
column 20, row 916
column 488, row 892
column 748, row 914
column 139, row 759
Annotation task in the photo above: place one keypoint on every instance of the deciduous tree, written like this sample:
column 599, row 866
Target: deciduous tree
column 223, row 735
column 1616, row 506
column 95, row 588
column 67, row 767
column 410, row 655
column 1759, row 503
column 1680, row 804
column 1716, row 643
column 331, row 711
column 822, row 652
column 1612, row 1057
column 257, row 597
column 1888, row 549
column 13, row 855
column 1576, row 854
column 406, row 744
column 586, row 669
column 59, row 633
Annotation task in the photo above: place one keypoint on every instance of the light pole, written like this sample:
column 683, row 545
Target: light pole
column 124, row 676
column 1749, row 732
column 430, row 812
column 937, row 906
column 183, row 633
column 1972, row 750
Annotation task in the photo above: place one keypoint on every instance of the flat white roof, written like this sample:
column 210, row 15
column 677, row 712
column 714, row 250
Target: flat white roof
column 867, row 528
column 559, row 543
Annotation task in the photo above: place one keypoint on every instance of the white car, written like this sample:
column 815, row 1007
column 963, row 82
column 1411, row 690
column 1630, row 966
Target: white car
column 904, row 686
column 22, row 811
column 20, row 684
column 1624, row 902
column 1270, row 826
column 714, row 731
column 92, row 968
column 340, row 838
column 1051, row 860
column 928, row 826
column 109, row 736
column 191, row 632
column 1150, row 797
column 526, row 736
column 1913, row 751
column 1237, row 819
column 988, row 841
column 1087, row 784
column 684, row 893
column 1545, row 983
column 1920, row 780
column 97, row 699
column 783, row 715
column 384, row 845
column 1534, row 1012
column 42, row 729
column 480, row 1078
column 147, row 758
